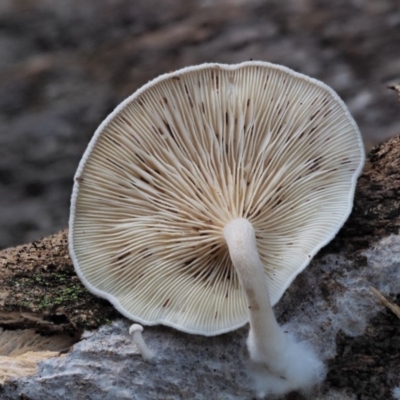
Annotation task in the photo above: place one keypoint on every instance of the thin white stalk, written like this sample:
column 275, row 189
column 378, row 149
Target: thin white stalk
column 279, row 363
column 136, row 331
column 266, row 338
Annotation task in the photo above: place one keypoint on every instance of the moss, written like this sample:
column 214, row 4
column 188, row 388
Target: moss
column 39, row 279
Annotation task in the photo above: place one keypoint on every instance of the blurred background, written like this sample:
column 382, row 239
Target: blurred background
column 64, row 65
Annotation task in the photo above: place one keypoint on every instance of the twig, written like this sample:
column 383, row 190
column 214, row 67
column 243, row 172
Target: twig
column 394, row 308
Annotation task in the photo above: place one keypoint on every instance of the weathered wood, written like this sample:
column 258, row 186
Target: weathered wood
column 39, row 289
column 376, row 211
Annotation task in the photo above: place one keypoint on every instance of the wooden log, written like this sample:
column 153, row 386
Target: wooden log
column 39, row 289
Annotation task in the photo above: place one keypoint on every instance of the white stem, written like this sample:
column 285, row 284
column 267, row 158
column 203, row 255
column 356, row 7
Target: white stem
column 266, row 340
column 136, row 331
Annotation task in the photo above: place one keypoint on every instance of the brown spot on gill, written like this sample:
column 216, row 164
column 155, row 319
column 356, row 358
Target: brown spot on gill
column 115, row 141
column 266, row 83
column 123, row 256
column 169, row 129
column 202, row 274
column 166, row 302
column 216, row 315
column 148, row 254
column 176, row 78
column 203, row 108
column 314, row 115
column 327, row 113
column 217, row 82
column 248, row 102
column 144, row 180
column 214, row 250
column 140, row 102
column 190, row 262
column 228, row 275
column 226, row 118
column 114, row 163
column 165, row 100
column 79, row 179
column 314, row 101
column 188, row 95
column 140, row 158
column 315, row 164
column 194, row 185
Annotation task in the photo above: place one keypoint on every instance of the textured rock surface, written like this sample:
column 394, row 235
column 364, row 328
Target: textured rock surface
column 65, row 65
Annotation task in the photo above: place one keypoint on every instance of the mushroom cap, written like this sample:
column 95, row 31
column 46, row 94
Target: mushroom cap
column 186, row 154
column 135, row 328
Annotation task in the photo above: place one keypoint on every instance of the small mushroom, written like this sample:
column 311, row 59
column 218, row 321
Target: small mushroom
column 136, row 331
column 205, row 193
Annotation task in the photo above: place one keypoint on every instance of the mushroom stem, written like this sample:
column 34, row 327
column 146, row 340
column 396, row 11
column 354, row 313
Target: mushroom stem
column 266, row 338
column 280, row 364
column 136, row 331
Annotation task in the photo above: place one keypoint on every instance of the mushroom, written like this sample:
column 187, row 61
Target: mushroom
column 136, row 331
column 204, row 194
